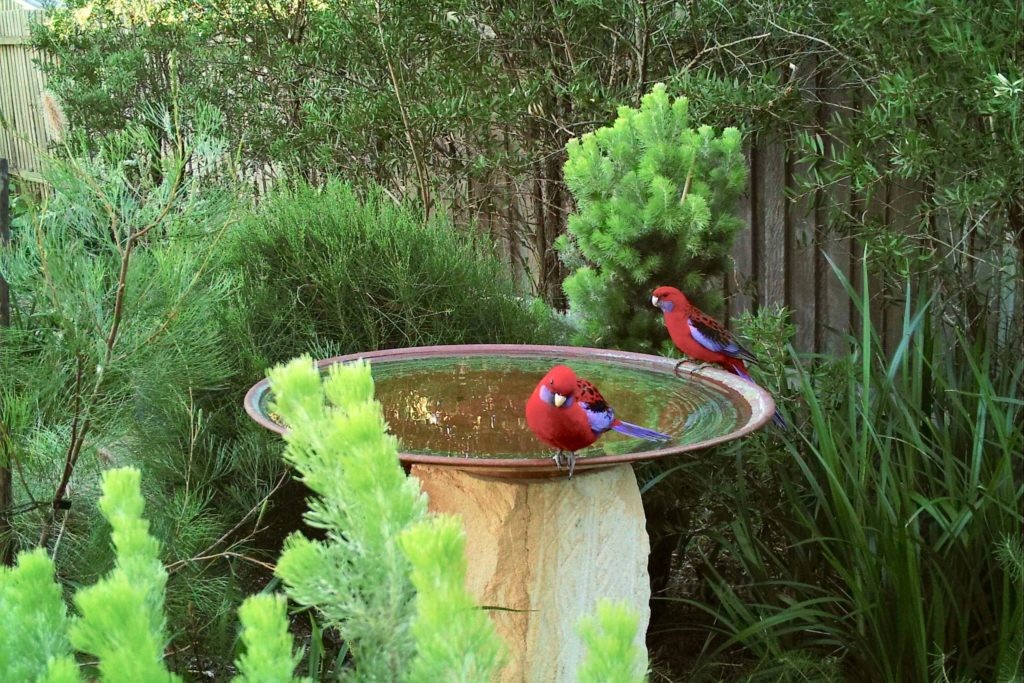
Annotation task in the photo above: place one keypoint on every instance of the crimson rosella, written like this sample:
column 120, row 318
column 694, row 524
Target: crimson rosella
column 703, row 338
column 570, row 414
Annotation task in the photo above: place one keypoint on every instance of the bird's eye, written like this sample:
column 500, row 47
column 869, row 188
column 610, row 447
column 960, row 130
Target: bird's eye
column 551, row 382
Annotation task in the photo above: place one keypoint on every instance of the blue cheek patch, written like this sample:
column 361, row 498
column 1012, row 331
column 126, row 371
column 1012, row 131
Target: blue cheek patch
column 548, row 397
column 666, row 306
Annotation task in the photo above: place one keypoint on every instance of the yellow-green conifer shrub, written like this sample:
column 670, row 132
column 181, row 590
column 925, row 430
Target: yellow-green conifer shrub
column 33, row 623
column 388, row 577
column 122, row 615
column 121, row 618
column 454, row 640
column 612, row 653
column 656, row 204
column 269, row 657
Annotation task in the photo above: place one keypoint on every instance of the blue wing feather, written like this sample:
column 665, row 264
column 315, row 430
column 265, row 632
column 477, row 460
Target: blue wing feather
column 600, row 416
column 718, row 341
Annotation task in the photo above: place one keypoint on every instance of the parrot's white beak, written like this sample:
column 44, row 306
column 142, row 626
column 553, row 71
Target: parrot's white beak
column 654, row 301
column 559, row 400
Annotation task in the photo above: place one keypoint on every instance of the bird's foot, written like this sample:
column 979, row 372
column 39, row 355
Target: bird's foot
column 696, row 369
column 557, row 457
column 570, row 459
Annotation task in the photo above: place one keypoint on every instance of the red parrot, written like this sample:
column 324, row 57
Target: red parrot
column 569, row 414
column 703, row 338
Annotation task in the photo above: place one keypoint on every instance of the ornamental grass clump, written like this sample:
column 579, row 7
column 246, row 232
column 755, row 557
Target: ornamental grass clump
column 897, row 539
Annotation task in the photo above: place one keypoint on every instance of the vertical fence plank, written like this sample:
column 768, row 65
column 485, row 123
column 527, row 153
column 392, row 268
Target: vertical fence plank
column 800, row 258
column 21, row 86
column 832, row 239
column 740, row 282
column 5, row 239
column 770, row 200
column 800, row 236
column 6, row 490
column 877, row 208
column 903, row 216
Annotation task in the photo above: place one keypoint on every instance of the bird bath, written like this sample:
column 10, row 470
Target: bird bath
column 542, row 546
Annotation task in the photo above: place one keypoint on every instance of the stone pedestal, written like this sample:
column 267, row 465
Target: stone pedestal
column 551, row 548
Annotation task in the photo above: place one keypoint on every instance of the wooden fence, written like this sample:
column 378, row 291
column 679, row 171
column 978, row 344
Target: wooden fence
column 783, row 259
column 23, row 133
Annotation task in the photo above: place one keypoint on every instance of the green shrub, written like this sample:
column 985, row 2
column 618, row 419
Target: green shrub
column 656, row 203
column 33, row 623
column 361, row 579
column 116, row 356
column 612, row 653
column 388, row 578
column 268, row 657
column 325, row 270
column 121, row 617
column 454, row 638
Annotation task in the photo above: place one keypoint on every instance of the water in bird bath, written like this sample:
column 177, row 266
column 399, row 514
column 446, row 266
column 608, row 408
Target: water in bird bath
column 470, row 405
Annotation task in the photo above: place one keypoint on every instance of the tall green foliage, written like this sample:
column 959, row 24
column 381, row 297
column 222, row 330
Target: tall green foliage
column 914, row 108
column 897, row 544
column 656, row 203
column 919, row 97
column 116, row 355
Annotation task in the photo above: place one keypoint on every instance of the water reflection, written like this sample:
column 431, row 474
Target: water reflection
column 473, row 407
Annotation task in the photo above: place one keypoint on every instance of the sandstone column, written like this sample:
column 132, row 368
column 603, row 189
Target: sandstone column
column 551, row 548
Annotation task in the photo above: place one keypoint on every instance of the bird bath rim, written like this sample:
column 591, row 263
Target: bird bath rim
column 758, row 402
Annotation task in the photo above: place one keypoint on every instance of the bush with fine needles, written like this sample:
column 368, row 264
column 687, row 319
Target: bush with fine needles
column 330, row 271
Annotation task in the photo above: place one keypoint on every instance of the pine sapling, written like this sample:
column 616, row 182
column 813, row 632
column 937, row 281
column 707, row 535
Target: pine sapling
column 655, row 205
column 613, row 655
column 269, row 656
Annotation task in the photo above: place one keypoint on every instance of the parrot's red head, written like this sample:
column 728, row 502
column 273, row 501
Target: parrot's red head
column 558, row 386
column 669, row 299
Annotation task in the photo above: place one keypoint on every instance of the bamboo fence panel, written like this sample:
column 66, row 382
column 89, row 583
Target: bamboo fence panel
column 24, row 137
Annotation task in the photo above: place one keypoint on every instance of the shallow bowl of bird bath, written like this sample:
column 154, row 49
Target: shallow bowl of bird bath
column 463, row 406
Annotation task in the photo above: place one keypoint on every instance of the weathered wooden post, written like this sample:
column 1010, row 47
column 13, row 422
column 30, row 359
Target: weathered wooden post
column 6, row 497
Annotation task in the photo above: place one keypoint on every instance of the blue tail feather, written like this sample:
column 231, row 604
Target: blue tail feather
column 639, row 432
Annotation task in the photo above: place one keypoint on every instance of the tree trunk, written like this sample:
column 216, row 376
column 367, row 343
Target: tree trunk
column 555, row 226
